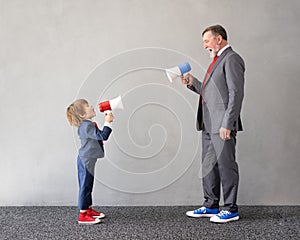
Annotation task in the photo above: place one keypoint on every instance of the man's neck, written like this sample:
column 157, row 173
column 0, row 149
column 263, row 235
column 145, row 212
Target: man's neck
column 223, row 48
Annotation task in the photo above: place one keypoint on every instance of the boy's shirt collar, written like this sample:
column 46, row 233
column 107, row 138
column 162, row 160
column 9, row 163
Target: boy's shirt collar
column 91, row 120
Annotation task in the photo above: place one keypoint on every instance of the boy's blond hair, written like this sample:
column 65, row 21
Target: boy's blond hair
column 76, row 112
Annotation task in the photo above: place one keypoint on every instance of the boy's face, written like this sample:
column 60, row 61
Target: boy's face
column 89, row 111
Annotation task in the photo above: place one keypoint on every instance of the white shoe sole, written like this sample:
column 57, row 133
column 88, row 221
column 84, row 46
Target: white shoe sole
column 102, row 215
column 192, row 214
column 90, row 223
column 218, row 220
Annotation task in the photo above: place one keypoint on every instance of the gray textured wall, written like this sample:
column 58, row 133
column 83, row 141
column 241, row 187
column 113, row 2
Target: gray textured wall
column 52, row 52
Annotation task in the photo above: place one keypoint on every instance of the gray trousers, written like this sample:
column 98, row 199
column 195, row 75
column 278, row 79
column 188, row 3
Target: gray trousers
column 219, row 167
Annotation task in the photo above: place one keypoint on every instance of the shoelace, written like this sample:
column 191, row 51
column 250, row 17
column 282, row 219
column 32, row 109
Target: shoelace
column 202, row 209
column 223, row 213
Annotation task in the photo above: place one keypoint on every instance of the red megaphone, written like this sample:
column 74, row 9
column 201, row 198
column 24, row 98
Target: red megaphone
column 110, row 105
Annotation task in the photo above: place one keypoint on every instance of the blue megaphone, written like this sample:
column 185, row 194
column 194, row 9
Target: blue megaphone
column 174, row 72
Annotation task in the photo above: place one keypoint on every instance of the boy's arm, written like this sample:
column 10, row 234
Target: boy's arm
column 87, row 129
column 104, row 134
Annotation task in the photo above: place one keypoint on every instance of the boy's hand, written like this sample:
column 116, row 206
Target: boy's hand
column 109, row 117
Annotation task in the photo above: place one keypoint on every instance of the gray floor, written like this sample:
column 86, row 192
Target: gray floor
column 256, row 222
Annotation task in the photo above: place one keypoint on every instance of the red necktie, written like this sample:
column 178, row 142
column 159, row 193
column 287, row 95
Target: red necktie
column 207, row 74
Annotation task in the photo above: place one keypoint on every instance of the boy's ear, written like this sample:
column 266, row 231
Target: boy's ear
column 82, row 115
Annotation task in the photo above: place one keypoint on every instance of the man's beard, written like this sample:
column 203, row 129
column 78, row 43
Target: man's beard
column 214, row 52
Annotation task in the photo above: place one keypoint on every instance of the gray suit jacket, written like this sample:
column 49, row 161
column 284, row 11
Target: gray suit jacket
column 223, row 94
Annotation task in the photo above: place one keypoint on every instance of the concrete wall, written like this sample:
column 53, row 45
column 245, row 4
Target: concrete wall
column 53, row 52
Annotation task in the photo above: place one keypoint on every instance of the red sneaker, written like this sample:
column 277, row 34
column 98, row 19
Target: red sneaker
column 86, row 219
column 92, row 213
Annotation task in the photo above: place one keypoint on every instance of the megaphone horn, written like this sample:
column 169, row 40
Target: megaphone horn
column 174, row 72
column 116, row 103
column 110, row 105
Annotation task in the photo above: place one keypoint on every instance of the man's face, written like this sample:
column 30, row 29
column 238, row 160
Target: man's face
column 210, row 42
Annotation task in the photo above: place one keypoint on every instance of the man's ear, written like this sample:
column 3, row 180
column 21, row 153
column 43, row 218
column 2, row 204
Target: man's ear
column 219, row 39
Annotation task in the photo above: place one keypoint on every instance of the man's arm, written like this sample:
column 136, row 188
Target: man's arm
column 234, row 70
column 192, row 83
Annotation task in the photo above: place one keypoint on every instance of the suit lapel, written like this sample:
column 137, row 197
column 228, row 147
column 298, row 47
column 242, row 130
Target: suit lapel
column 220, row 58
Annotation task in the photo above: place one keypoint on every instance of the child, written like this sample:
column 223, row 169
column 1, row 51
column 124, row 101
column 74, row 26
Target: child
column 80, row 114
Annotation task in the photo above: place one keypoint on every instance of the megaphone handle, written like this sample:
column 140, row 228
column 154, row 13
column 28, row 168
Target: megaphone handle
column 107, row 112
column 182, row 76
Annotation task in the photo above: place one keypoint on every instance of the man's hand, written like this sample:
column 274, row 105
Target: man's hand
column 187, row 79
column 224, row 133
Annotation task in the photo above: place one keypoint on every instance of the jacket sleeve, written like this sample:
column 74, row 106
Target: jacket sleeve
column 196, row 86
column 104, row 134
column 89, row 130
column 234, row 71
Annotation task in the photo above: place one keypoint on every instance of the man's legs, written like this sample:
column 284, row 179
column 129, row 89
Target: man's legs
column 228, row 169
column 210, row 173
column 210, row 180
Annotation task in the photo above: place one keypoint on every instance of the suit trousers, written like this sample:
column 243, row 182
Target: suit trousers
column 86, row 170
column 219, row 166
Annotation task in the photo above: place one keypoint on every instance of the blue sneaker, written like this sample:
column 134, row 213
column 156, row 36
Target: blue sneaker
column 203, row 212
column 225, row 216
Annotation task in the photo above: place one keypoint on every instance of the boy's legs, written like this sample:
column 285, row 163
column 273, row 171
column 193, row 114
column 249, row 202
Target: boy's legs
column 86, row 171
column 86, row 181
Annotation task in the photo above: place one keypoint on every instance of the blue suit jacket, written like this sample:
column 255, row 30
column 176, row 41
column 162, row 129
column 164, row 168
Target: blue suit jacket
column 91, row 140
